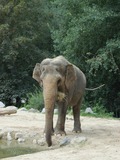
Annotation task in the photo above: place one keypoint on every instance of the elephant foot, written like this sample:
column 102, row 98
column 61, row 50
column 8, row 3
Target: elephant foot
column 60, row 132
column 76, row 130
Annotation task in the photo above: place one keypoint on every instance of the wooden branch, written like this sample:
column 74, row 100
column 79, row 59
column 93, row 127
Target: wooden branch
column 8, row 110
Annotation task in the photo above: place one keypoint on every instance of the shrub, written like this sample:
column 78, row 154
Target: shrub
column 98, row 110
column 35, row 100
column 101, row 111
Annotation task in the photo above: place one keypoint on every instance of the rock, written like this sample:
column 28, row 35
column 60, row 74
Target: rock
column 2, row 105
column 11, row 108
column 65, row 141
column 55, row 111
column 43, row 111
column 34, row 141
column 21, row 140
column 33, row 110
column 8, row 110
column 78, row 140
column 18, row 135
column 89, row 110
column 22, row 109
column 41, row 142
column 23, row 101
column 9, row 137
column 33, row 134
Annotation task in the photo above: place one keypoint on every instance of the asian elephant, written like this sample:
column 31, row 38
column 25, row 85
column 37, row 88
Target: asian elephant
column 63, row 83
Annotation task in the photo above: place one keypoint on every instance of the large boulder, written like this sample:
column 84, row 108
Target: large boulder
column 8, row 110
column 2, row 105
column 89, row 110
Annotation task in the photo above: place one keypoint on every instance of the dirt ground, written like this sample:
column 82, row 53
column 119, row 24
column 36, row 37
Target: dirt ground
column 103, row 137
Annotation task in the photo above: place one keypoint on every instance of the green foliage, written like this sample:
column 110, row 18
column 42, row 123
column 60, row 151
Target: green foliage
column 107, row 57
column 35, row 100
column 87, row 32
column 106, row 66
column 98, row 111
column 24, row 40
column 83, row 27
column 101, row 111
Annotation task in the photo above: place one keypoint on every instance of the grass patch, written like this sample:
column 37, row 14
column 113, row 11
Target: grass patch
column 15, row 151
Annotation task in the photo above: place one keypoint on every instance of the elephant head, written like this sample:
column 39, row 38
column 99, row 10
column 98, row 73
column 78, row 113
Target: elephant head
column 56, row 76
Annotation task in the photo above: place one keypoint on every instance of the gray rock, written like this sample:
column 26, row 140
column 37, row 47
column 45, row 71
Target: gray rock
column 43, row 111
column 22, row 109
column 9, row 137
column 34, row 141
column 89, row 110
column 78, row 140
column 55, row 111
column 41, row 142
column 2, row 105
column 18, row 135
column 21, row 140
column 23, row 101
column 65, row 141
column 33, row 110
column 12, row 108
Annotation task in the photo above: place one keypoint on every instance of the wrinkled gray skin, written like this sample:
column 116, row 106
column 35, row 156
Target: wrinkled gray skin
column 58, row 75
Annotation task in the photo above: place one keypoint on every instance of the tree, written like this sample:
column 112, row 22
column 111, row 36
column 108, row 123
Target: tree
column 24, row 40
column 87, row 32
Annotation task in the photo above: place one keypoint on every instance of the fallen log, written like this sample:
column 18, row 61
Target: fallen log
column 8, row 110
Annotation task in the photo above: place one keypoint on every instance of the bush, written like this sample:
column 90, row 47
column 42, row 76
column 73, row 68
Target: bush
column 35, row 100
column 101, row 111
column 98, row 110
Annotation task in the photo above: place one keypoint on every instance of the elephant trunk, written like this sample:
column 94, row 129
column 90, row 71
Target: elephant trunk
column 49, row 94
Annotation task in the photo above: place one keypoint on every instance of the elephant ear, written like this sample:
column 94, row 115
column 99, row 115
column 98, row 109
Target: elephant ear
column 70, row 76
column 37, row 72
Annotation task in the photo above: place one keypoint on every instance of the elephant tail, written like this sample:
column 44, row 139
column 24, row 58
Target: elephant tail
column 93, row 89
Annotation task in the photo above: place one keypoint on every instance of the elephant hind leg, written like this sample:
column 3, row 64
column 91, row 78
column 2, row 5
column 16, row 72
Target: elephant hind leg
column 76, row 115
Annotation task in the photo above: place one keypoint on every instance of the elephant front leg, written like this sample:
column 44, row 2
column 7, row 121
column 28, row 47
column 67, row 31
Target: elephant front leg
column 60, row 126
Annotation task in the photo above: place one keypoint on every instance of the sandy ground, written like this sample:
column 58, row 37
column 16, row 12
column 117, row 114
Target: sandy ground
column 103, row 137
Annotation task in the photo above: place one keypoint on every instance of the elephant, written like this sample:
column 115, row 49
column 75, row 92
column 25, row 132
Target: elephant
column 63, row 84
